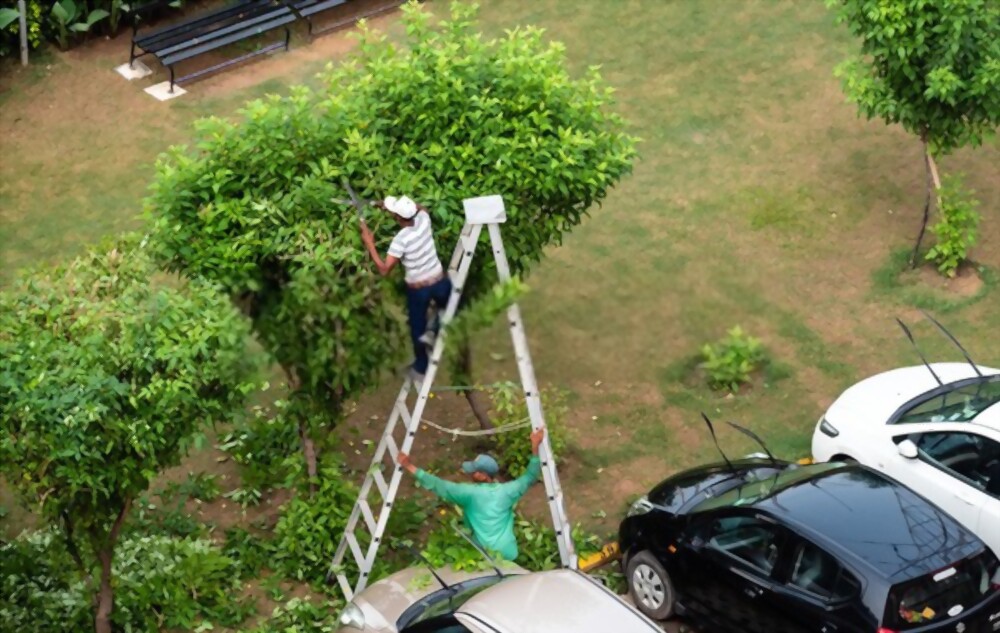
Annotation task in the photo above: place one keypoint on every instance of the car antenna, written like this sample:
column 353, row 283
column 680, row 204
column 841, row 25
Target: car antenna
column 909, row 335
column 711, row 429
column 479, row 549
column 756, row 438
column 954, row 340
column 416, row 553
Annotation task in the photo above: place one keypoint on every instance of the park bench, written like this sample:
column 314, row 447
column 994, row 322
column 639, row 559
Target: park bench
column 210, row 31
column 308, row 8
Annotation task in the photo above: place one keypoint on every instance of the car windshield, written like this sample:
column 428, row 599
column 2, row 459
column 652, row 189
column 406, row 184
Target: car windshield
column 958, row 402
column 438, row 603
column 941, row 595
column 754, row 490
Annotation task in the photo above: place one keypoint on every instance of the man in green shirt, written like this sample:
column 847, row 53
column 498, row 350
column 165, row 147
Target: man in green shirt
column 487, row 505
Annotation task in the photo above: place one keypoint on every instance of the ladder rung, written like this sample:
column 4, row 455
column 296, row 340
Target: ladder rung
column 345, row 586
column 366, row 512
column 359, row 557
column 380, row 482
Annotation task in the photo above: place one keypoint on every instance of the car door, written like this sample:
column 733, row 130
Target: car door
column 734, row 557
column 817, row 592
column 959, row 470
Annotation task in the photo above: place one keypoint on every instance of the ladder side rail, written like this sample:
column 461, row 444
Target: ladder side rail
column 418, row 410
column 534, row 405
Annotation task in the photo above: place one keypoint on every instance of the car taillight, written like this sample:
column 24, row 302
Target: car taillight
column 882, row 629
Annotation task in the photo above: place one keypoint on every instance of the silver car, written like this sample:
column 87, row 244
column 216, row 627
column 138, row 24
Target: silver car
column 514, row 601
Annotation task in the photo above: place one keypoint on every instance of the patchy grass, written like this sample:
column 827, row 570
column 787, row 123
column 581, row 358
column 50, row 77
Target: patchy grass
column 760, row 199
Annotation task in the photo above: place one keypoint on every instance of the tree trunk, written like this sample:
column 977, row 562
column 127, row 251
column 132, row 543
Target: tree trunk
column 472, row 396
column 74, row 551
column 308, row 445
column 933, row 182
column 105, row 554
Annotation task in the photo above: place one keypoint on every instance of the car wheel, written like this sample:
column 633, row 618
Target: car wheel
column 650, row 586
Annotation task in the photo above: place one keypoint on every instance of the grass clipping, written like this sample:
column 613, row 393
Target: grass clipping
column 481, row 315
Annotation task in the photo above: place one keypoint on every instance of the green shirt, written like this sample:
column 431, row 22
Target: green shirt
column 488, row 508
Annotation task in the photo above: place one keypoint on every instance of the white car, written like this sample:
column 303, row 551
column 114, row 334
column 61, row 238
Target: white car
column 448, row 601
column 940, row 440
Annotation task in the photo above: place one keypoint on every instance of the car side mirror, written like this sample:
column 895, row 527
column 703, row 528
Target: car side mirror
column 907, row 449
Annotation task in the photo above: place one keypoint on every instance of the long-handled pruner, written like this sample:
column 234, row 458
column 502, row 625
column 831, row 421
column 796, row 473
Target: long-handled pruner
column 355, row 201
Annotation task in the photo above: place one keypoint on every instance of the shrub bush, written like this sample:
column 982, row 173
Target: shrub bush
column 958, row 228
column 163, row 583
column 266, row 446
column 300, row 616
column 729, row 362
column 509, row 407
column 38, row 28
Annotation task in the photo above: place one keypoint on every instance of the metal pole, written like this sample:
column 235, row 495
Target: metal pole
column 24, row 32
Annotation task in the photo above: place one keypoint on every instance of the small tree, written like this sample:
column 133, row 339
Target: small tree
column 450, row 115
column 932, row 67
column 104, row 381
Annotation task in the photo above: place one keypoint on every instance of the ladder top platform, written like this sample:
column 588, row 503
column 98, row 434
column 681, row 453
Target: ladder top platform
column 485, row 210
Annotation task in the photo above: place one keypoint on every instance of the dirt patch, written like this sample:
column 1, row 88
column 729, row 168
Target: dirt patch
column 966, row 283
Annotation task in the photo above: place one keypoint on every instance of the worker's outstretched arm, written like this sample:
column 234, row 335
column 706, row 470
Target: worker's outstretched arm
column 384, row 266
column 519, row 486
column 448, row 490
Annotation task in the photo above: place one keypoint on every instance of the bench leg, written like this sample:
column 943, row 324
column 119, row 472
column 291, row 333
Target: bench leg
column 131, row 55
column 171, row 79
column 288, row 35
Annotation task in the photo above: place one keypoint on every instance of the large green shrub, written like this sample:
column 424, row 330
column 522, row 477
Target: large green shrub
column 37, row 22
column 105, row 380
column 448, row 115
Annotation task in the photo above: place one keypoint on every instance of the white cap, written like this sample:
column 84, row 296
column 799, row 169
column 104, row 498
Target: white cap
column 401, row 206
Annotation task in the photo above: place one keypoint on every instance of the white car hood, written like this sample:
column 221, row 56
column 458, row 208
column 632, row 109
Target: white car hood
column 875, row 399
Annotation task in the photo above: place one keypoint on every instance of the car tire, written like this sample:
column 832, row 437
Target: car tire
column 650, row 586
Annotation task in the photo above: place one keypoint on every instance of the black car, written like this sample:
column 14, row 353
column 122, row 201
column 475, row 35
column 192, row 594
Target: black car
column 766, row 546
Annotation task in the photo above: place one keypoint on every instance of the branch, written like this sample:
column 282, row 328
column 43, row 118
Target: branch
column 116, row 528
column 74, row 552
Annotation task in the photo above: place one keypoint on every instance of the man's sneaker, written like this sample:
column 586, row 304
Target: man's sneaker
column 418, row 379
column 428, row 338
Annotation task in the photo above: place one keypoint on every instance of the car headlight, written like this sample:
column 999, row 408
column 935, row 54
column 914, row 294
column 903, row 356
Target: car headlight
column 640, row 507
column 828, row 429
column 353, row 616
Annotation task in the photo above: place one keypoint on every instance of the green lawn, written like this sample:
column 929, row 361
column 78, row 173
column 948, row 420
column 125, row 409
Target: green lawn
column 759, row 200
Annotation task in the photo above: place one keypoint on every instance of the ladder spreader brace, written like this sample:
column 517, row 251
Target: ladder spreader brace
column 485, row 211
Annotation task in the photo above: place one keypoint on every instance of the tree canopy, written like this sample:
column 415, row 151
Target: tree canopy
column 447, row 115
column 104, row 381
column 932, row 67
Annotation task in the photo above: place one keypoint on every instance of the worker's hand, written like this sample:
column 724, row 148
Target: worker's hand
column 404, row 461
column 536, row 439
column 366, row 234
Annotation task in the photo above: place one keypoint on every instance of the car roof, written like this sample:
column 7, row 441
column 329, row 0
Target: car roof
column 557, row 601
column 865, row 517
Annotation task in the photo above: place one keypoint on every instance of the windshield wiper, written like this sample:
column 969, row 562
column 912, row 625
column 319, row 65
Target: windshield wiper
column 430, row 568
column 481, row 551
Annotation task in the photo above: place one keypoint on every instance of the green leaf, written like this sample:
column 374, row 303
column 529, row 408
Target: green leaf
column 8, row 16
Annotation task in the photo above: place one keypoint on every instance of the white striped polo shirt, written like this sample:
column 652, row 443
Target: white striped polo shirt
column 414, row 246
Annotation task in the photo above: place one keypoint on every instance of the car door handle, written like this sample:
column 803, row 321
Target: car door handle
column 966, row 498
column 753, row 592
column 828, row 628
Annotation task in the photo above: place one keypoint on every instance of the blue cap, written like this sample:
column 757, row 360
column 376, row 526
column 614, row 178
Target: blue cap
column 482, row 464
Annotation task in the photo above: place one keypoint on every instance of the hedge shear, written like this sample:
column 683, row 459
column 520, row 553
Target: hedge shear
column 354, row 201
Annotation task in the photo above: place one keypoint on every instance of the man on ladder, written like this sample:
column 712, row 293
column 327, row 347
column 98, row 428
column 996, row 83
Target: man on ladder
column 487, row 505
column 426, row 280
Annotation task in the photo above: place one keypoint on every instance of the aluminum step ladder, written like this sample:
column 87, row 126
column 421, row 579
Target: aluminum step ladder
column 489, row 212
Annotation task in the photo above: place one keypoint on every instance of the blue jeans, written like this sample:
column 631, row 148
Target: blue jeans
column 418, row 300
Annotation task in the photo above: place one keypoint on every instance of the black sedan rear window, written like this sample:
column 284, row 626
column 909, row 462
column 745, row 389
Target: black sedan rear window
column 942, row 595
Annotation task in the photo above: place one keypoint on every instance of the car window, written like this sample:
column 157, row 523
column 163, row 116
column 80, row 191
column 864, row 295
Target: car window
column 960, row 404
column 938, row 596
column 444, row 601
column 972, row 457
column 751, row 540
column 816, row 572
column 440, row 624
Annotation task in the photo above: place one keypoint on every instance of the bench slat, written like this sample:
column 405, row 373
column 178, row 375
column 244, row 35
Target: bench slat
column 200, row 21
column 232, row 37
column 312, row 7
column 239, row 27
